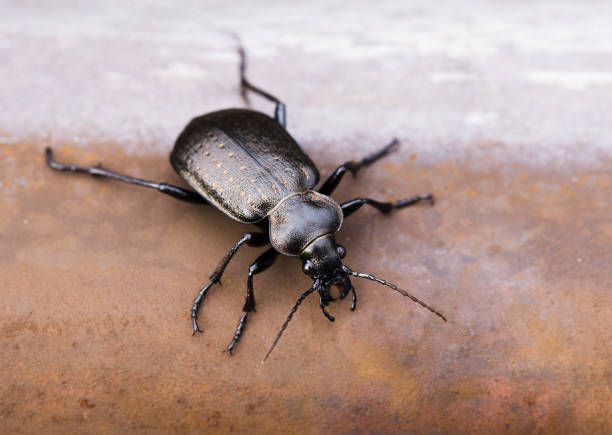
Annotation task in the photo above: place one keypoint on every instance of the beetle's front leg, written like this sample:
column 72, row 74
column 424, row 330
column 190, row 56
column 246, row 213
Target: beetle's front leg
column 262, row 262
column 251, row 239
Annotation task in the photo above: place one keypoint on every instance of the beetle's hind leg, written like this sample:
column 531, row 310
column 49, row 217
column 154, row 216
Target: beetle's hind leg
column 280, row 111
column 262, row 262
column 98, row 171
column 334, row 179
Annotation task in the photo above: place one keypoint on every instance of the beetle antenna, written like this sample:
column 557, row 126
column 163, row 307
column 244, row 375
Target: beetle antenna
column 396, row 288
column 293, row 310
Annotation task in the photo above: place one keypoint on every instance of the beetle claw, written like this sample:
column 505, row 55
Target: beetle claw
column 196, row 328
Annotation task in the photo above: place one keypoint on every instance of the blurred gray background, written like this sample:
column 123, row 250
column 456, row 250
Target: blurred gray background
column 441, row 74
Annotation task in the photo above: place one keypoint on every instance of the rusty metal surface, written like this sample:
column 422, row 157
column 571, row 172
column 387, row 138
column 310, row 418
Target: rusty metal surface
column 97, row 278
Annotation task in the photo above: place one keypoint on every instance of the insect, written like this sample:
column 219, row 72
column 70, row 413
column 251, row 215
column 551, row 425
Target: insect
column 248, row 166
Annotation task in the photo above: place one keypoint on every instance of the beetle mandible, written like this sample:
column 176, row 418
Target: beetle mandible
column 247, row 165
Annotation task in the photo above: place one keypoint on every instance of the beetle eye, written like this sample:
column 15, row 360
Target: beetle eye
column 341, row 251
column 308, row 268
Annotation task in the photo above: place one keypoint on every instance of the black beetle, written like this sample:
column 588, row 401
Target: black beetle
column 247, row 165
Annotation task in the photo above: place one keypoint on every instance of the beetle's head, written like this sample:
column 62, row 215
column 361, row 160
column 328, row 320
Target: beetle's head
column 322, row 261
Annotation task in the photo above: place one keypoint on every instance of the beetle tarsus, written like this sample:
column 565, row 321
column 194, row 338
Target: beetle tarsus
column 238, row 333
column 280, row 111
column 413, row 200
column 392, row 146
column 323, row 303
column 196, row 305
column 354, row 167
column 350, row 207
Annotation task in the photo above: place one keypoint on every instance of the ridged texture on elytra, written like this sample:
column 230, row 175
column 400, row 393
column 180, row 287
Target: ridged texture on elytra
column 242, row 161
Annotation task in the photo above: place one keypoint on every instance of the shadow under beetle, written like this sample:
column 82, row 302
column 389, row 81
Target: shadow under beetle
column 247, row 165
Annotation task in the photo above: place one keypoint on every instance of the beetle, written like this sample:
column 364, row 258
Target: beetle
column 247, row 165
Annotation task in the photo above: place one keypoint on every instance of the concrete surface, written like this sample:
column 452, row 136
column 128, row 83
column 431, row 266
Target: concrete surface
column 503, row 113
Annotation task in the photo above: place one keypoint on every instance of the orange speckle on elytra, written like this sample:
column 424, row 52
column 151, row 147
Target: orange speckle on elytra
column 252, row 181
column 230, row 155
column 219, row 165
column 232, row 179
column 276, row 158
column 243, row 194
column 221, row 145
column 243, row 168
column 207, row 153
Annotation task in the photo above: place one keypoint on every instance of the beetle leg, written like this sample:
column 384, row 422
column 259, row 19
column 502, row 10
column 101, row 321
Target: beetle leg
column 251, row 239
column 350, row 207
column 346, row 291
column 332, row 182
column 324, row 299
column 280, row 111
column 354, row 299
column 98, row 171
column 325, row 313
column 262, row 262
